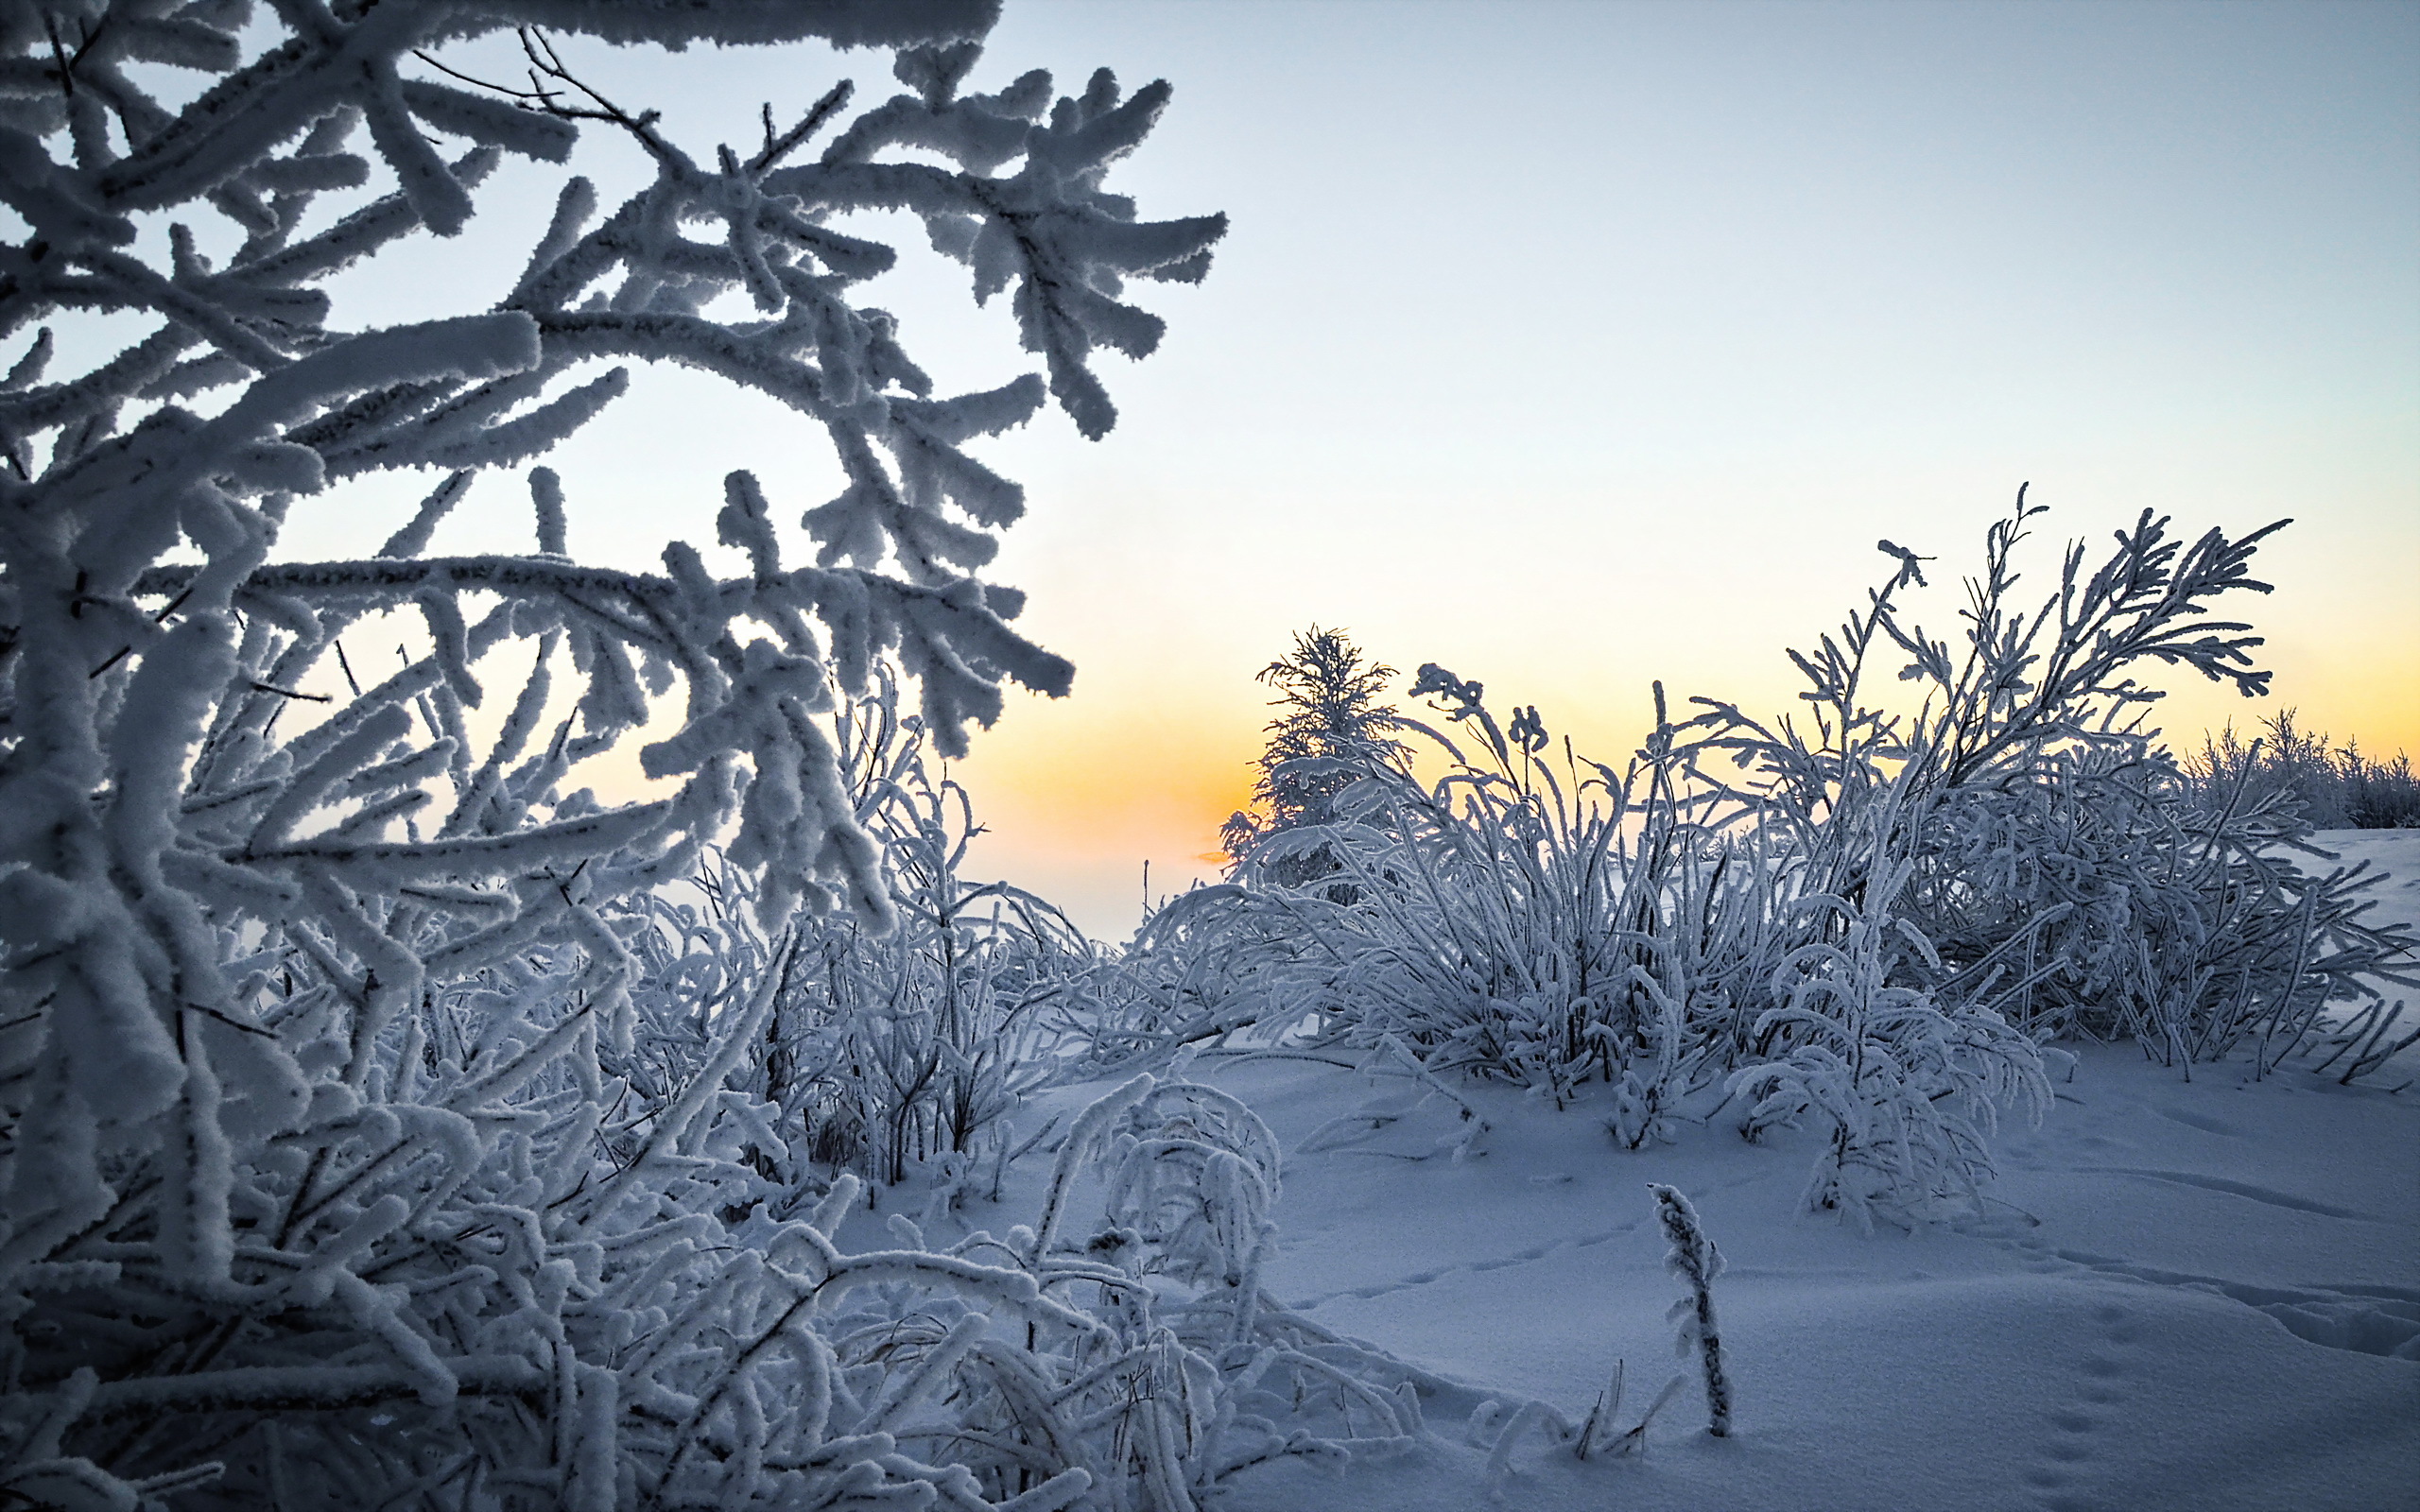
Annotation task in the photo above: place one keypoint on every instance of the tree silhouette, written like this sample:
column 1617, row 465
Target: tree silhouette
column 1332, row 729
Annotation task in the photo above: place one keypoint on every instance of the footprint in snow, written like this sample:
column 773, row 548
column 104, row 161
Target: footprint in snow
column 2362, row 1319
column 1419, row 1278
column 2077, row 1429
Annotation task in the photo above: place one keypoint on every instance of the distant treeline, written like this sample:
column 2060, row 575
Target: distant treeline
column 2341, row 789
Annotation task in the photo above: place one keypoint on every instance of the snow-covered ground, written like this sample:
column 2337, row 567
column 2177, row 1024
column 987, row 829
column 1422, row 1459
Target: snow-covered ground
column 2196, row 1294
column 2193, row 1299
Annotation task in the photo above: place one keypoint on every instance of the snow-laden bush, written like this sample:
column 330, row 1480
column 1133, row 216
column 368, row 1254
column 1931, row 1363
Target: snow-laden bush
column 1549, row 923
column 1152, row 1366
column 2338, row 787
column 1864, row 916
column 2128, row 905
column 1208, row 962
column 881, row 1049
column 2061, row 867
column 1904, row 1086
column 324, row 1178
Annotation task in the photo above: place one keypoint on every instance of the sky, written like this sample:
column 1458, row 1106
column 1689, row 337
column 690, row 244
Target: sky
column 1575, row 346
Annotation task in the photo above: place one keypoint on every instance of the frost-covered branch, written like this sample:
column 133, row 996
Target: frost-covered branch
column 335, row 1161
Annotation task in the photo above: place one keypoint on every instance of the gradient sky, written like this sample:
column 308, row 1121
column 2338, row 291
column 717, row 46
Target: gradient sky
column 1576, row 345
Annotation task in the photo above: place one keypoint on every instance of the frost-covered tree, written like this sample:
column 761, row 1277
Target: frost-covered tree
column 1332, row 729
column 317, row 1177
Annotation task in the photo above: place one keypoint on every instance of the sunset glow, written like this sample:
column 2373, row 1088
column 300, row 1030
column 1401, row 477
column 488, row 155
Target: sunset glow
column 1575, row 347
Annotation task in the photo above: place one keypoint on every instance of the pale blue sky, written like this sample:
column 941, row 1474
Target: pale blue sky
column 1574, row 345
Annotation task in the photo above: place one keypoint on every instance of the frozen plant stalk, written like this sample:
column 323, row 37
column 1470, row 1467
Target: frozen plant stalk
column 1695, row 1260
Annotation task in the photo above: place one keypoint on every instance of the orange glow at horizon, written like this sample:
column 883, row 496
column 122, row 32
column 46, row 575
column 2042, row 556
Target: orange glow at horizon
column 1079, row 778
column 1076, row 794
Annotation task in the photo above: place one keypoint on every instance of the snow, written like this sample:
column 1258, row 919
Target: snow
column 474, row 1136
column 2196, row 1292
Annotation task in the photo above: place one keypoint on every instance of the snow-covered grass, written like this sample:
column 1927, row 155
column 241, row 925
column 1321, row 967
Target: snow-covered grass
column 2190, row 1300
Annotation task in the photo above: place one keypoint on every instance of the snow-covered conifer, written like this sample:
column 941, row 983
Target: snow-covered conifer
column 1332, row 731
column 327, row 1167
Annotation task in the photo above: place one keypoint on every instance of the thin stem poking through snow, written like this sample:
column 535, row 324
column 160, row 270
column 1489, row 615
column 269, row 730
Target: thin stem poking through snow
column 1694, row 1260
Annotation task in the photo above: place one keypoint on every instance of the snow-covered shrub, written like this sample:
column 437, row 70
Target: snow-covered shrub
column 1189, row 1371
column 2123, row 905
column 1209, row 962
column 882, row 1049
column 324, row 1178
column 1508, row 920
column 1907, row 1086
column 2338, row 787
column 2059, row 865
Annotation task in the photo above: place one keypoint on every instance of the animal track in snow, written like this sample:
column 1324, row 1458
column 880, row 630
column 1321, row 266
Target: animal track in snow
column 1522, row 1256
column 1426, row 1277
column 2238, row 1189
column 2077, row 1429
column 2382, row 1320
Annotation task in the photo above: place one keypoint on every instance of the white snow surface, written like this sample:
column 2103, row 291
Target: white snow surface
column 2196, row 1292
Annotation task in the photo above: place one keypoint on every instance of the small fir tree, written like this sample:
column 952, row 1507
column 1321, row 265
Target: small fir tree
column 1332, row 729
